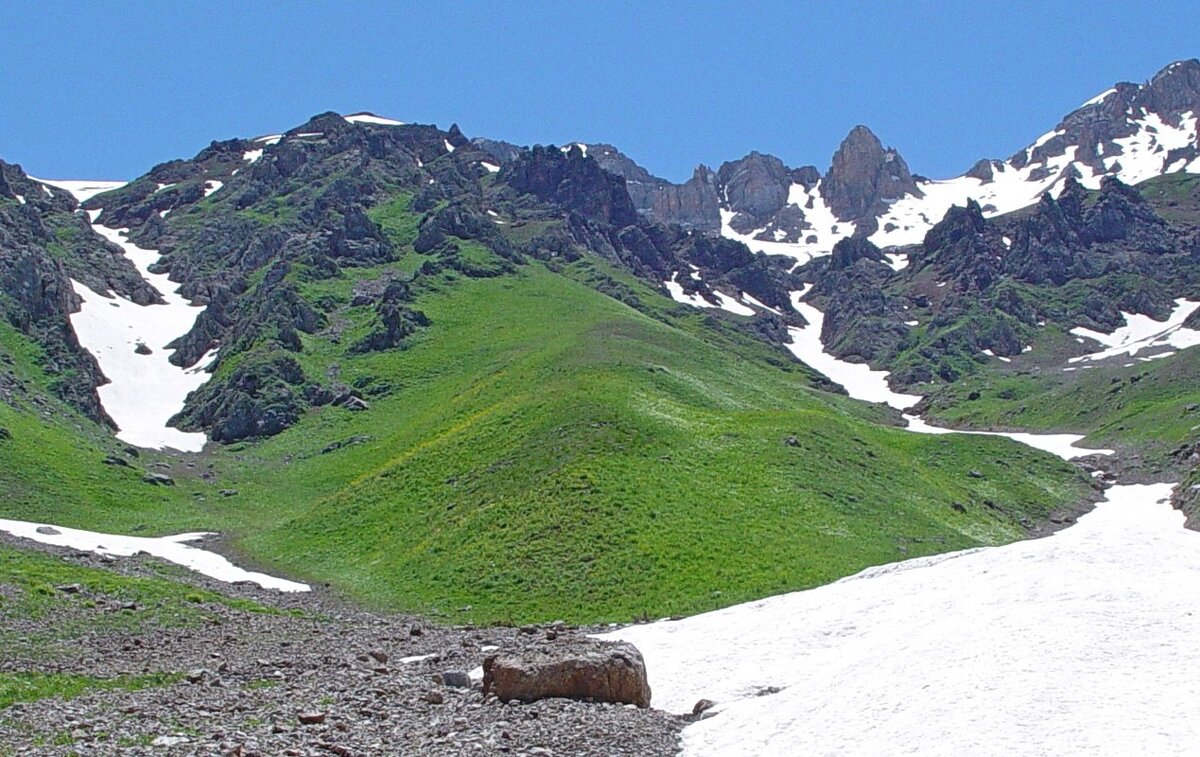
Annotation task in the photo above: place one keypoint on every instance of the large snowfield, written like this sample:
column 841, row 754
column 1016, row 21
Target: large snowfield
column 1079, row 643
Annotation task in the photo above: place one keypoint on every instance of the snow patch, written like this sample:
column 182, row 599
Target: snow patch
column 371, row 118
column 170, row 548
column 81, row 190
column 212, row 185
column 1142, row 332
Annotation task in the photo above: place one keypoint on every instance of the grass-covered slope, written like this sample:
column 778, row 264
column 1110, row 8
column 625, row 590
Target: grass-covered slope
column 546, row 451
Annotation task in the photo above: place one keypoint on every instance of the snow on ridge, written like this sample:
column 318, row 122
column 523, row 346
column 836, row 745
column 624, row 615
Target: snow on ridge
column 1099, row 98
column 170, row 548
column 1078, row 643
column 1132, row 159
column 371, row 118
column 82, row 190
column 144, row 390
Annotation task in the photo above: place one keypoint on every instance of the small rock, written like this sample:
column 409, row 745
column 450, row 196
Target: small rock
column 792, row 441
column 69, row 588
column 702, row 705
column 379, row 655
column 142, row 349
column 196, row 676
column 457, row 679
column 158, row 479
column 48, row 531
column 974, row 474
column 229, row 492
column 114, row 460
column 311, row 718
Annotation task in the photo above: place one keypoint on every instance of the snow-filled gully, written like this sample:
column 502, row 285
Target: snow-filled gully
column 1077, row 643
column 129, row 341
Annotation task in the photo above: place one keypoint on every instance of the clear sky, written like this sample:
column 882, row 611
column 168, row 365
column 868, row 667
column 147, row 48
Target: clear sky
column 106, row 90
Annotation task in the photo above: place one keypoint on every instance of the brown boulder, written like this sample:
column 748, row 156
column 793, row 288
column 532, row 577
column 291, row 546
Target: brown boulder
column 584, row 670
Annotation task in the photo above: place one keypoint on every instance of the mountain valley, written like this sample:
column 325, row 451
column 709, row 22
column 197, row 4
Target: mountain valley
column 476, row 388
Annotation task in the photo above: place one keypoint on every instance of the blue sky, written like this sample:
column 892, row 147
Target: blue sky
column 106, row 90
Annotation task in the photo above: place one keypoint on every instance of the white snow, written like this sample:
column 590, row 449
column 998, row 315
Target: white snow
column 825, row 230
column 676, row 291
column 170, row 548
column 859, row 380
column 750, row 300
column 252, row 156
column 212, row 185
column 490, row 167
column 161, row 187
column 582, row 148
column 144, row 391
column 897, row 261
column 1142, row 332
column 726, row 303
column 731, row 305
column 449, row 147
column 20, row 199
column 270, row 139
column 1098, row 98
column 912, row 323
column 82, row 190
column 371, row 118
column 1062, row 445
column 1079, row 643
column 863, row 383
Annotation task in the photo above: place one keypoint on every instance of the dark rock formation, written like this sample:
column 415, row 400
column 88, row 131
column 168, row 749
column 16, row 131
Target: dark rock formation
column 863, row 175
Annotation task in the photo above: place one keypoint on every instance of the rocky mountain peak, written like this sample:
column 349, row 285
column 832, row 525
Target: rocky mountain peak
column 864, row 175
column 1173, row 90
column 755, row 188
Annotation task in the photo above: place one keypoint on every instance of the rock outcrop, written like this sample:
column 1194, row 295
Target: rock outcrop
column 863, row 176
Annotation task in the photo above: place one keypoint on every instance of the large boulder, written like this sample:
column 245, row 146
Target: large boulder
column 585, row 670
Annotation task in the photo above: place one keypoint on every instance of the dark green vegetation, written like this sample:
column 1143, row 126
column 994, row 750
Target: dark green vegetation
column 497, row 416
